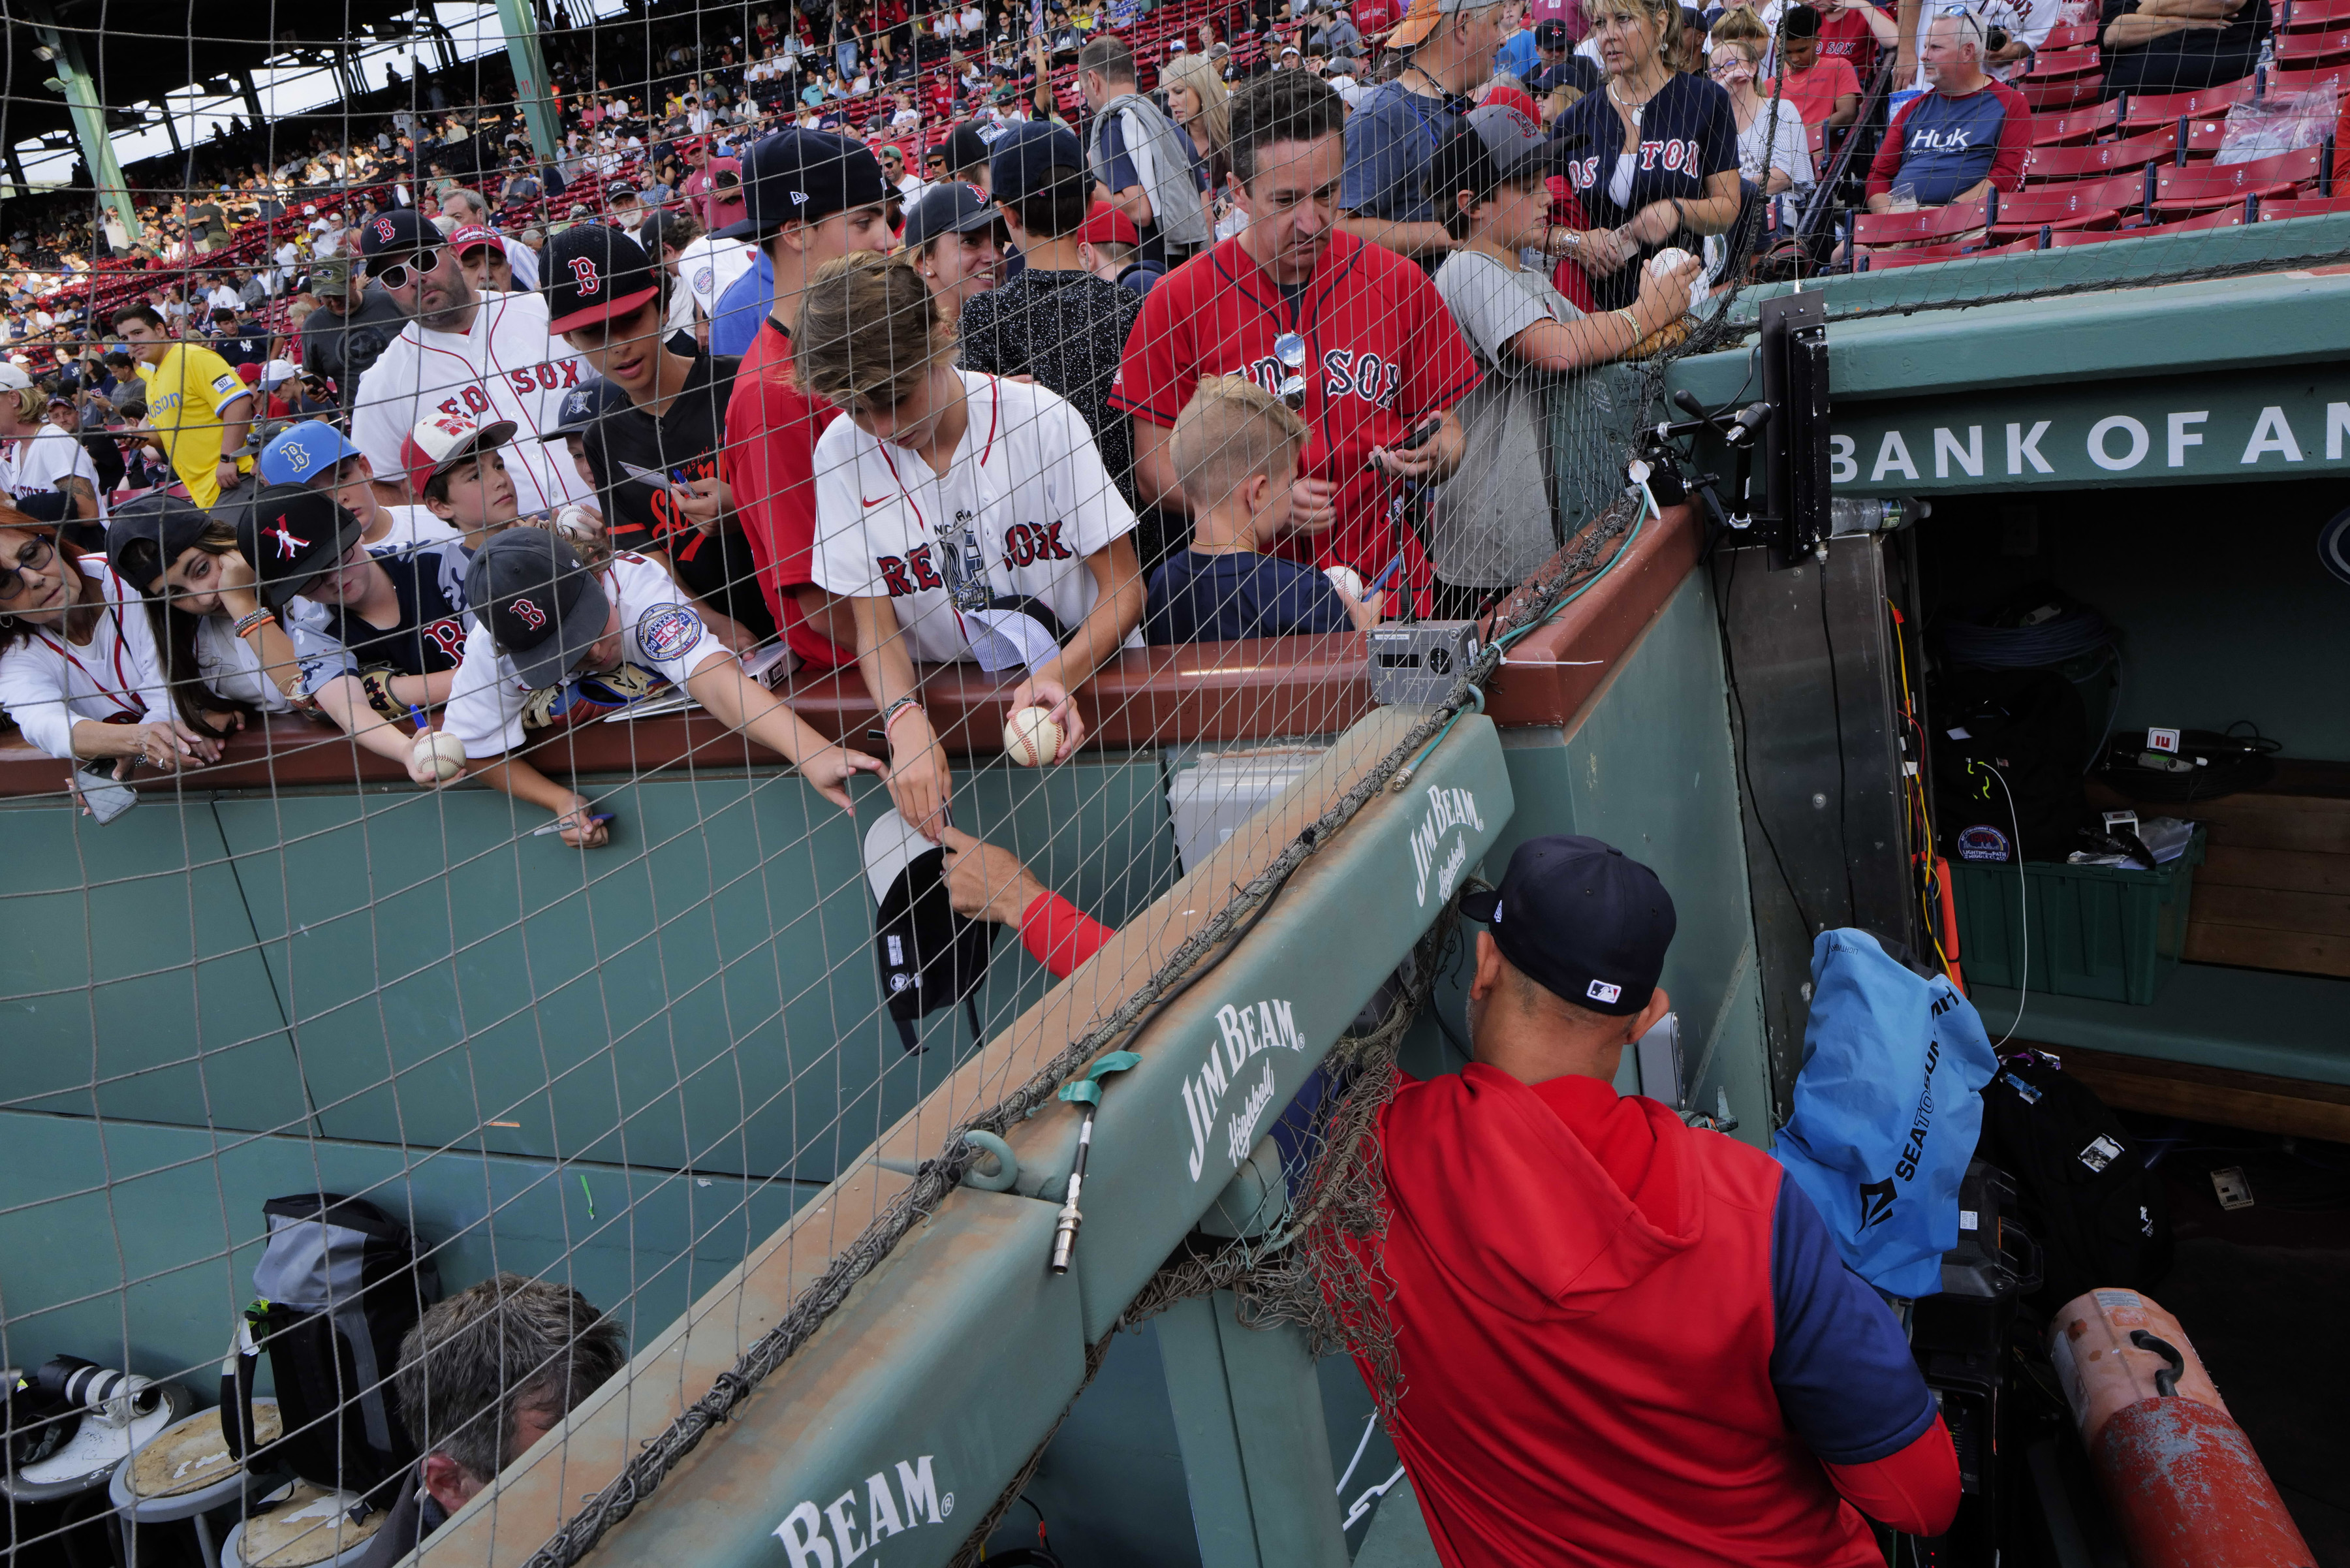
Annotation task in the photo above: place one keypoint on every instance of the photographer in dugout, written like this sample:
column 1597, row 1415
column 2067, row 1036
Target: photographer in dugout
column 660, row 464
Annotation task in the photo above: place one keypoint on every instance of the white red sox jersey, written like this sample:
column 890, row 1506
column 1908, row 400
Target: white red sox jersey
column 1025, row 500
column 1382, row 354
column 506, row 367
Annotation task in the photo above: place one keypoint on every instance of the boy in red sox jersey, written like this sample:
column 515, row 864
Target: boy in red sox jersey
column 1383, row 357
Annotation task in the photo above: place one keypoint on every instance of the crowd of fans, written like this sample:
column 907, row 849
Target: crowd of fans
column 1264, row 311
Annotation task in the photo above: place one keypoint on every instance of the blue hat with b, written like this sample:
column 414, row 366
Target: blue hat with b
column 303, row 452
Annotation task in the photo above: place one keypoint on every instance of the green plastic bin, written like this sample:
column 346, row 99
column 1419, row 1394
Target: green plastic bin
column 2112, row 933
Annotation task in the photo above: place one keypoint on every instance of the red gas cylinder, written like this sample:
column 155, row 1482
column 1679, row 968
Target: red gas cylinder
column 2185, row 1487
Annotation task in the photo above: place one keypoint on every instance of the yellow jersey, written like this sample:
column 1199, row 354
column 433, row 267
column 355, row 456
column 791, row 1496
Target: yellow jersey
column 185, row 395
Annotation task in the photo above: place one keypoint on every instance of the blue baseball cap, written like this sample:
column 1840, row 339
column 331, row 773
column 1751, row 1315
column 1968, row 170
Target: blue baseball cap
column 1582, row 920
column 1022, row 161
column 304, row 453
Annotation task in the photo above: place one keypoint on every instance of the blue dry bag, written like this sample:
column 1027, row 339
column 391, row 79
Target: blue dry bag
column 1887, row 1109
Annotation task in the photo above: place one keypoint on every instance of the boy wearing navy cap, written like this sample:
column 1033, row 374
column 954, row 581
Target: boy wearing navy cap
column 660, row 460
column 1623, row 1339
column 810, row 199
column 547, row 620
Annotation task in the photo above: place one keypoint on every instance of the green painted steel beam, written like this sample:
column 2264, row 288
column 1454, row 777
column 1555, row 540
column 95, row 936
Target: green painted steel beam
column 519, row 22
column 73, row 79
column 951, row 1362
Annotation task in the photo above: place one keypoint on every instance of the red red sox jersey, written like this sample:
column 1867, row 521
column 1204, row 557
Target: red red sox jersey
column 1382, row 354
column 505, row 367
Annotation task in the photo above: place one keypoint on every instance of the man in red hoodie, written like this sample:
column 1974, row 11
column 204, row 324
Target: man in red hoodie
column 1623, row 1340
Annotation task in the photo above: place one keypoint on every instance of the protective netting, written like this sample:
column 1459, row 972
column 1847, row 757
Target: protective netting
column 483, row 731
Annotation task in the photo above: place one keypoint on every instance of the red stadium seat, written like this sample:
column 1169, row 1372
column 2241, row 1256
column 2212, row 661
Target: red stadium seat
column 2225, row 218
column 2079, row 35
column 1884, row 261
column 2282, row 83
column 2206, row 187
column 2147, row 110
column 2083, row 204
column 2064, row 239
column 2279, row 208
column 2063, row 65
column 2311, row 15
column 2079, row 126
column 1928, row 224
column 2201, row 138
column 2045, row 164
column 2076, row 93
column 2329, row 46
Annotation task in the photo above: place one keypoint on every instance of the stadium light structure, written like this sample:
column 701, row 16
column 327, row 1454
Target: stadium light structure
column 73, row 79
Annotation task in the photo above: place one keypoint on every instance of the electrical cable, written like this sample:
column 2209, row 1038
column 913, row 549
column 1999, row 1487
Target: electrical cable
column 2022, row 906
column 1843, row 790
column 1745, row 767
column 2074, row 632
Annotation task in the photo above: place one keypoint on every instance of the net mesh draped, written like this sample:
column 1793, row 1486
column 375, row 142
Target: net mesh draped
column 613, row 1002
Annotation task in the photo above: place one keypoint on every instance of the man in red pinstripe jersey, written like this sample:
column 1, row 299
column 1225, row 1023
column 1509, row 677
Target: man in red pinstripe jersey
column 1383, row 359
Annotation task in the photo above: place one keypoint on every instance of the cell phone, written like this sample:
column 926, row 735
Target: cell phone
column 107, row 796
column 1421, row 436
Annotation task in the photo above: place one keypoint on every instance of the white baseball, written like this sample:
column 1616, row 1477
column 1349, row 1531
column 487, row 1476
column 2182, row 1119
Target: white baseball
column 442, row 751
column 1666, row 260
column 1031, row 738
column 1347, row 581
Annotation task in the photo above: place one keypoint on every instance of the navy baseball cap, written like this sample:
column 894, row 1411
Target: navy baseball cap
column 593, row 273
column 545, row 609
column 143, row 538
column 1580, row 919
column 806, row 175
column 584, row 405
column 400, row 231
column 1023, row 158
column 292, row 535
column 969, row 143
column 949, row 207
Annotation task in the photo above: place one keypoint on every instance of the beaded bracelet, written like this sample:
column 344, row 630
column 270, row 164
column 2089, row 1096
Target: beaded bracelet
column 889, row 714
column 246, row 625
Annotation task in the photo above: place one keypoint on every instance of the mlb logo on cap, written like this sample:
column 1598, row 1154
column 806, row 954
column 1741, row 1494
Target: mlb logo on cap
column 444, row 441
column 1603, row 994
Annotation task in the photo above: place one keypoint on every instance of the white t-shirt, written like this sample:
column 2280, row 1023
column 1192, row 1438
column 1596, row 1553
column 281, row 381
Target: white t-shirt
column 47, row 683
column 2027, row 21
column 412, row 526
column 230, row 666
column 659, row 631
column 505, row 367
column 1026, row 479
column 709, row 265
column 41, row 460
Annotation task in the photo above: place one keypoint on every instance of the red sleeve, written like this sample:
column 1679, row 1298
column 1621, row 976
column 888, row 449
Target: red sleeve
column 1160, row 373
column 1915, row 1490
column 771, row 433
column 1060, row 936
column 2014, row 139
column 1888, row 161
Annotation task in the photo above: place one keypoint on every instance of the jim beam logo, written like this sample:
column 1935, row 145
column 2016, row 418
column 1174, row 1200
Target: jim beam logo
column 861, row 1519
column 1242, row 1033
column 1448, row 811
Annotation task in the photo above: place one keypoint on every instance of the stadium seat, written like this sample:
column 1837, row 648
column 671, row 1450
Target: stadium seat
column 2057, row 240
column 1883, row 261
column 2282, row 83
column 2074, row 92
column 2201, row 138
column 2083, row 204
column 2063, row 65
column 2043, row 165
column 2311, row 15
column 2205, row 187
column 2225, row 218
column 2278, row 208
column 2327, row 48
column 1873, row 230
column 2070, row 130
column 2142, row 112
column 2079, row 35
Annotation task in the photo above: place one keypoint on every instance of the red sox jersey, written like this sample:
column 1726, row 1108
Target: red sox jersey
column 1382, row 354
column 505, row 367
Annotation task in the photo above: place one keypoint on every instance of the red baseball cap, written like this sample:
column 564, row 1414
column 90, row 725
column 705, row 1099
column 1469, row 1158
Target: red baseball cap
column 1507, row 97
column 249, row 374
column 469, row 235
column 443, row 441
column 1105, row 224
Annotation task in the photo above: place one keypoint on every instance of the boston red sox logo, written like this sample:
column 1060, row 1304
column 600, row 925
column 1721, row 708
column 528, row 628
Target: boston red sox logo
column 530, row 614
column 287, row 540
column 583, row 272
column 383, row 230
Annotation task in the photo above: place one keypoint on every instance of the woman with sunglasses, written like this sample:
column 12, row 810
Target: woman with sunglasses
column 1656, row 159
column 1774, row 148
column 79, row 670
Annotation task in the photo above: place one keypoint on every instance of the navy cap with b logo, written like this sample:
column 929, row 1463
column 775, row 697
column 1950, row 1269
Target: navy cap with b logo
column 593, row 273
column 1580, row 919
column 396, row 229
column 543, row 607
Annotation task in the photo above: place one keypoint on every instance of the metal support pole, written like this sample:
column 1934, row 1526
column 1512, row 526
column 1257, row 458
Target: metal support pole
column 80, row 92
column 520, row 22
column 252, row 97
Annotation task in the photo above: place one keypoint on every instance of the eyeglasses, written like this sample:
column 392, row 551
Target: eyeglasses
column 400, row 272
column 33, row 555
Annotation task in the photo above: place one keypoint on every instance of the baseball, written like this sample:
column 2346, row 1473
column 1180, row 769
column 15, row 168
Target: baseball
column 1666, row 260
column 1346, row 580
column 442, row 751
column 1031, row 738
